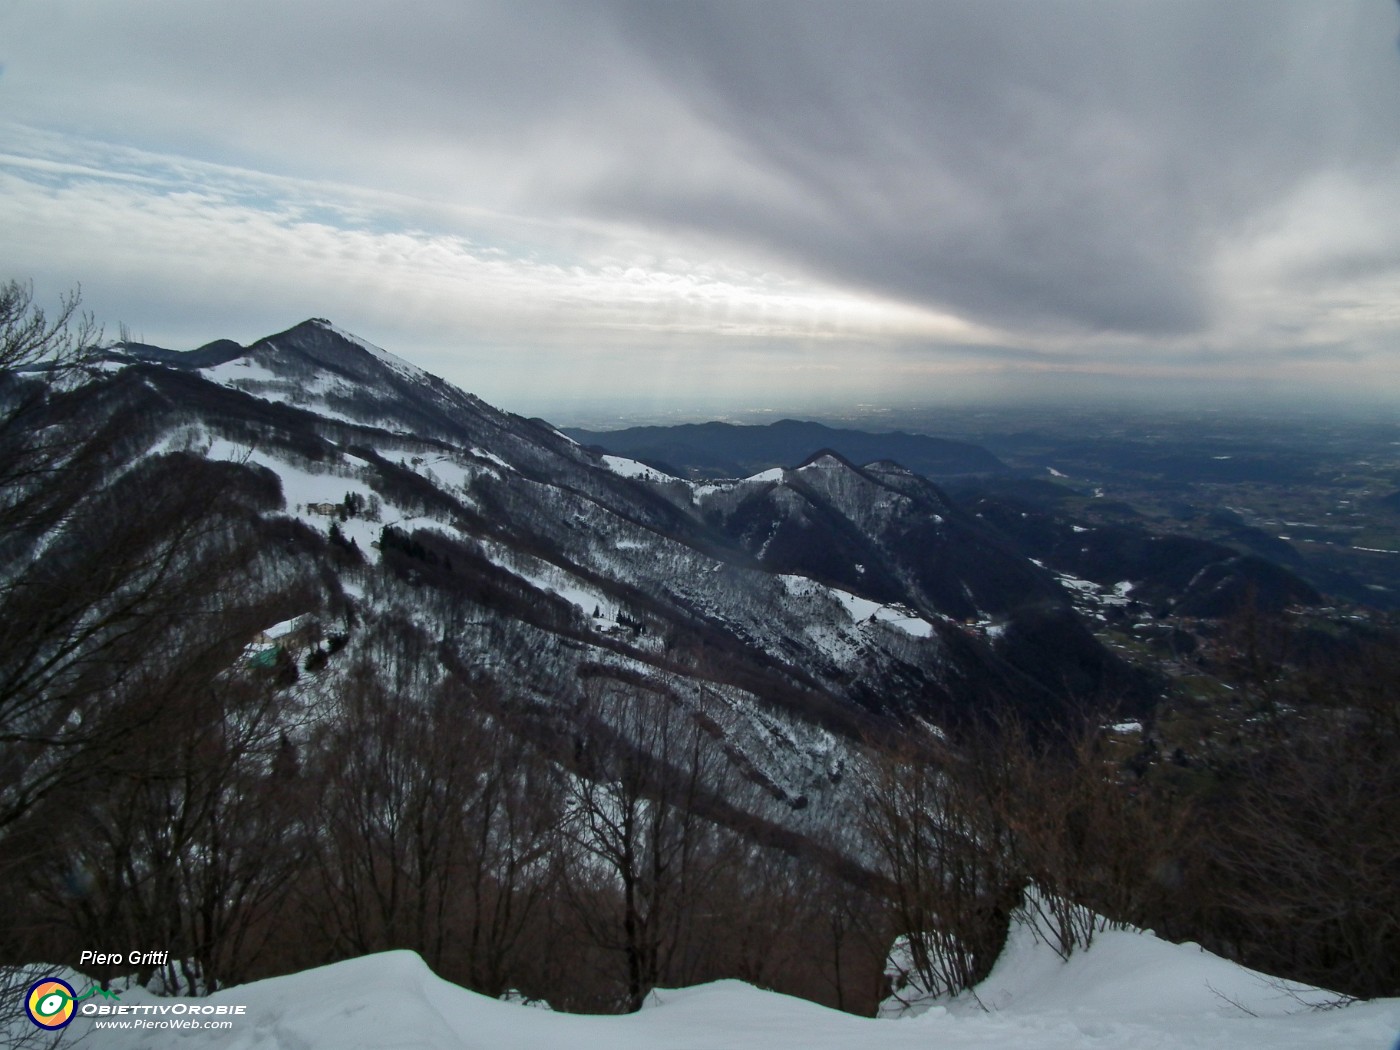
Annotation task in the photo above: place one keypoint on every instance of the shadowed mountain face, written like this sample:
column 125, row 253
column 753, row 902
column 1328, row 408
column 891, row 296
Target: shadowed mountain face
column 1192, row 577
column 881, row 531
column 440, row 538
column 723, row 450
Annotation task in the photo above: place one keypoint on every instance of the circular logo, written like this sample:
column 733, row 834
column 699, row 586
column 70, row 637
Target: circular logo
column 49, row 1003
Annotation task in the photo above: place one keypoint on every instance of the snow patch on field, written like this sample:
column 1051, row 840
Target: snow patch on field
column 630, row 468
column 491, row 457
column 303, row 489
column 771, row 474
column 551, row 579
column 1092, row 598
column 450, row 472
column 240, row 370
column 700, row 489
column 861, row 610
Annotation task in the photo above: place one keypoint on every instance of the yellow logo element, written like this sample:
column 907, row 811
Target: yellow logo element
column 51, row 1001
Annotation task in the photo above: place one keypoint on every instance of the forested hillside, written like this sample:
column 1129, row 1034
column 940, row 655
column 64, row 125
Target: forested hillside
column 306, row 654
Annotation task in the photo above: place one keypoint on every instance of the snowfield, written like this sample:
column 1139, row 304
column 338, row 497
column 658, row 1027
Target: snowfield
column 630, row 468
column 1130, row 991
column 859, row 609
column 393, row 361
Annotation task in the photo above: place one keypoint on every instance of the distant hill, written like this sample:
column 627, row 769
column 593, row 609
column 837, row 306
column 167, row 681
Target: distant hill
column 726, row 450
column 216, row 353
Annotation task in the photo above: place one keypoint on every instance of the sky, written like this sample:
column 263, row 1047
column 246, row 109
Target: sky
column 705, row 204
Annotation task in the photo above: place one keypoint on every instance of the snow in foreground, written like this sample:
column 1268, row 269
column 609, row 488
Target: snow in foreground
column 1130, row 991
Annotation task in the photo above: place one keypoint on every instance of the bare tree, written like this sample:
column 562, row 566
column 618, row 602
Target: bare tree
column 963, row 832
column 642, row 849
column 138, row 593
column 38, row 351
column 1304, row 854
column 950, row 870
column 189, row 843
column 29, row 336
column 510, row 828
column 433, row 829
column 395, row 782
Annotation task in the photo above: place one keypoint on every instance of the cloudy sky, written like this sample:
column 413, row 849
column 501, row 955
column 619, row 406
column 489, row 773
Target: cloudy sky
column 752, row 202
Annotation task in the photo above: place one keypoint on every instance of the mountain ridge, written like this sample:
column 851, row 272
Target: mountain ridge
column 819, row 600
column 716, row 449
column 507, row 464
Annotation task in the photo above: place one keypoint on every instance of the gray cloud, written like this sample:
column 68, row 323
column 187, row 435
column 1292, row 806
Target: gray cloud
column 1047, row 163
column 1176, row 180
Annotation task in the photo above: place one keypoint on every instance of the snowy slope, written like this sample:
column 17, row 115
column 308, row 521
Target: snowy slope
column 803, row 604
column 1130, row 991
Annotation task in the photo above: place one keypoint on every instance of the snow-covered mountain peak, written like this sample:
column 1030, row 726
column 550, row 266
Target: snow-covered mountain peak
column 826, row 459
column 319, row 342
column 393, row 361
column 823, row 460
column 321, row 368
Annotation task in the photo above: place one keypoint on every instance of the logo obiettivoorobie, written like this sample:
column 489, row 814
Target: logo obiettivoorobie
column 51, row 1001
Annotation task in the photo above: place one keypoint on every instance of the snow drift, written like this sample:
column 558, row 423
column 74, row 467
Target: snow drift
column 1129, row 990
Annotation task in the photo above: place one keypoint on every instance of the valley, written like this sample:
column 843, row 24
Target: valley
column 1311, row 490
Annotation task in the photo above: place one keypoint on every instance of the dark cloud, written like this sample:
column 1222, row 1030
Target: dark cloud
column 1023, row 163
